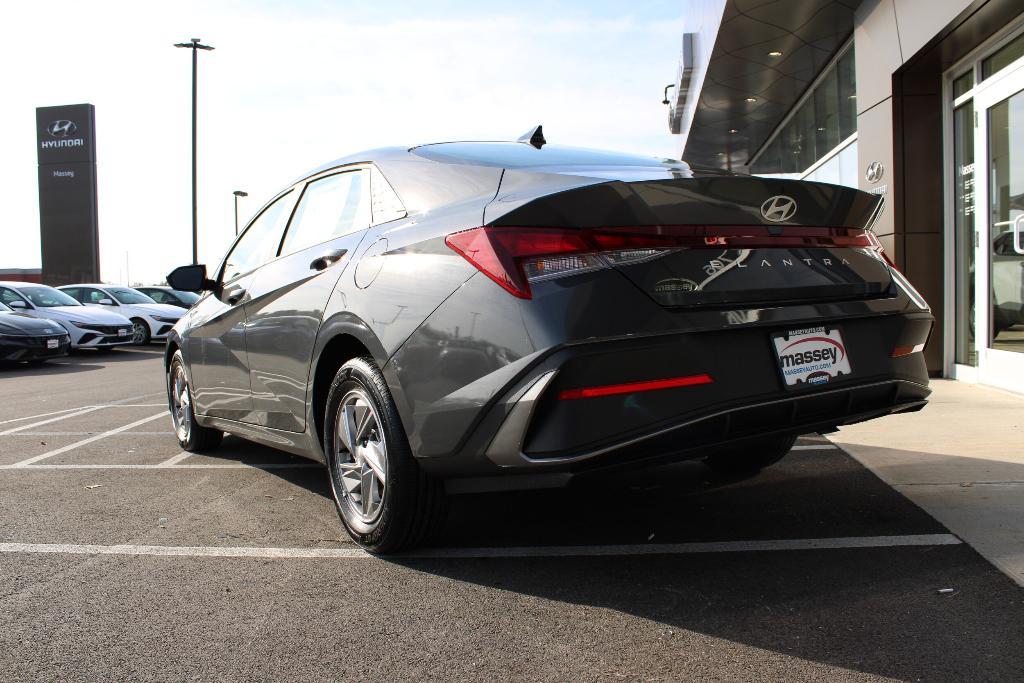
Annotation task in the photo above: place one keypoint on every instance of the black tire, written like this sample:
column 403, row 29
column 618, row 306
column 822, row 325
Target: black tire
column 750, row 456
column 140, row 332
column 192, row 436
column 411, row 506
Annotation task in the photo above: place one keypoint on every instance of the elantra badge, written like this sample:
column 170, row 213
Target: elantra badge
column 778, row 208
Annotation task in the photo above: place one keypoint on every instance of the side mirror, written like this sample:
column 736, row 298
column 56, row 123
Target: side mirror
column 17, row 304
column 106, row 302
column 191, row 279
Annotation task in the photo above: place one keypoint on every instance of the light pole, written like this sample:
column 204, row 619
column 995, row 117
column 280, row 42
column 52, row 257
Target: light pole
column 238, row 193
column 195, row 45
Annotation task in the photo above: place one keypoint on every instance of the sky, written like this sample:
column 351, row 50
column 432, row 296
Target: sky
column 292, row 85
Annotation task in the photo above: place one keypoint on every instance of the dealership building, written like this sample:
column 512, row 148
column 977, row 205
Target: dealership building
column 920, row 101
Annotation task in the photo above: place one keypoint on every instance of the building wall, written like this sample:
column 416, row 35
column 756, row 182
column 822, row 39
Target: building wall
column 899, row 124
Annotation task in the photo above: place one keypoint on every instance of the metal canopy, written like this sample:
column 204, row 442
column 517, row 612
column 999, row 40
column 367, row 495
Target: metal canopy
column 806, row 32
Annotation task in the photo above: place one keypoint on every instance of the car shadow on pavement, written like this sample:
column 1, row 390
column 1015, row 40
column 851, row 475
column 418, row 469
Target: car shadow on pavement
column 79, row 361
column 873, row 610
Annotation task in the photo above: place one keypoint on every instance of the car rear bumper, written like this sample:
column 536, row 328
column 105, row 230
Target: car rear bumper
column 531, row 429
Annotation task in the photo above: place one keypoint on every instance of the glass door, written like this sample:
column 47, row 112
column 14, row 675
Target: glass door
column 999, row 222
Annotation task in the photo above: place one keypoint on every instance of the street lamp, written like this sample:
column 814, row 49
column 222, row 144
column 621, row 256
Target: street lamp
column 665, row 98
column 238, row 193
column 195, row 45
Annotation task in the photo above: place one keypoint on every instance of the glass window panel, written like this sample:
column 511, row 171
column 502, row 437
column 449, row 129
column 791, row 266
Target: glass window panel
column 1006, row 193
column 260, row 241
column 330, row 207
column 847, row 95
column 1006, row 55
column 963, row 84
column 826, row 118
column 963, row 233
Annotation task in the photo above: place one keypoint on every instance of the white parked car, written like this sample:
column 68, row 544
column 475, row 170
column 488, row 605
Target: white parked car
column 89, row 328
column 150, row 320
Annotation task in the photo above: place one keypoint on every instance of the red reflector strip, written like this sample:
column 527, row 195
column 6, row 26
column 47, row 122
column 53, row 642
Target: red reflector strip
column 906, row 350
column 634, row 387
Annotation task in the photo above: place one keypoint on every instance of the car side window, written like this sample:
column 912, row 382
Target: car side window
column 259, row 242
column 9, row 295
column 74, row 292
column 157, row 295
column 88, row 295
column 386, row 204
column 331, row 206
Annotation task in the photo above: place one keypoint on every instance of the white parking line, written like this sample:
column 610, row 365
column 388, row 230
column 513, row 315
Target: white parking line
column 174, row 460
column 32, row 417
column 509, row 552
column 83, row 442
column 65, row 416
column 815, row 447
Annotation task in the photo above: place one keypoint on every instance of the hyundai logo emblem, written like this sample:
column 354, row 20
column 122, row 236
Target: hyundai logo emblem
column 778, row 208
column 874, row 172
column 61, row 128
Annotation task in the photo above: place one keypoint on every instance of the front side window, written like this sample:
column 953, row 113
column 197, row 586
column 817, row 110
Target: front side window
column 259, row 242
column 91, row 296
column 330, row 207
column 123, row 295
column 47, row 297
column 9, row 296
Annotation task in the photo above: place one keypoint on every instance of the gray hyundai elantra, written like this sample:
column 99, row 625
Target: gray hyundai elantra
column 480, row 316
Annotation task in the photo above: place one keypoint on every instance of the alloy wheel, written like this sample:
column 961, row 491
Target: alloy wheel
column 138, row 332
column 360, row 457
column 181, row 404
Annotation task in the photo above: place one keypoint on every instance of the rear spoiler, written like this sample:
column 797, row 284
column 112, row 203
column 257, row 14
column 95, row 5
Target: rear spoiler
column 730, row 200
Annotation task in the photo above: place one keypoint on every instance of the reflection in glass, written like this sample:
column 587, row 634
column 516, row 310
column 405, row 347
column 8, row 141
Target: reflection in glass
column 963, row 232
column 826, row 118
column 1005, row 56
column 1006, row 193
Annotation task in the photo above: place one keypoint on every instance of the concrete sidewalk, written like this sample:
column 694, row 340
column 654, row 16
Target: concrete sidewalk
column 961, row 459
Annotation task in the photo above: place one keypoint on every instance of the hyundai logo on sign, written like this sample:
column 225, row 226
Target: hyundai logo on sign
column 778, row 208
column 62, row 128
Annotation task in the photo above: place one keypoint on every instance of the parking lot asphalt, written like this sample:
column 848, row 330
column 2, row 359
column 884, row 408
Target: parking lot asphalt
column 121, row 558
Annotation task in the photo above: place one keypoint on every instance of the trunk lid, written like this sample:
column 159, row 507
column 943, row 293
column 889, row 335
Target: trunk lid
column 726, row 240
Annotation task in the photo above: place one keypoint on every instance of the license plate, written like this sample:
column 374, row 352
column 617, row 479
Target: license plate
column 52, row 343
column 815, row 355
column 122, row 333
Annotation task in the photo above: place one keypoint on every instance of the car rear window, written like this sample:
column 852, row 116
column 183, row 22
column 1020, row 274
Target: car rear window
column 522, row 155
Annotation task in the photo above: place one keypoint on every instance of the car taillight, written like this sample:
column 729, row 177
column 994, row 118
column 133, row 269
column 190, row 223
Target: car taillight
column 514, row 257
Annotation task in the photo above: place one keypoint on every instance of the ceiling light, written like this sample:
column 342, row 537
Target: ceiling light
column 733, row 130
column 775, row 53
column 751, row 99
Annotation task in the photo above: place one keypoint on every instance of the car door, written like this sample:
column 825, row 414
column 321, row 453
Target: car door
column 218, row 360
column 288, row 296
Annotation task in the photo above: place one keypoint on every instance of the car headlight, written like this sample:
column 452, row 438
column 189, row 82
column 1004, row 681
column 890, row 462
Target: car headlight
column 164, row 319
column 77, row 323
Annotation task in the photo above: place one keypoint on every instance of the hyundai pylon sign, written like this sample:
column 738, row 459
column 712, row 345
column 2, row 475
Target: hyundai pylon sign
column 68, row 223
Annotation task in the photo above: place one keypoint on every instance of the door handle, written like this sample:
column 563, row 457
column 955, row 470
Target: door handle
column 1017, row 233
column 328, row 259
column 236, row 295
